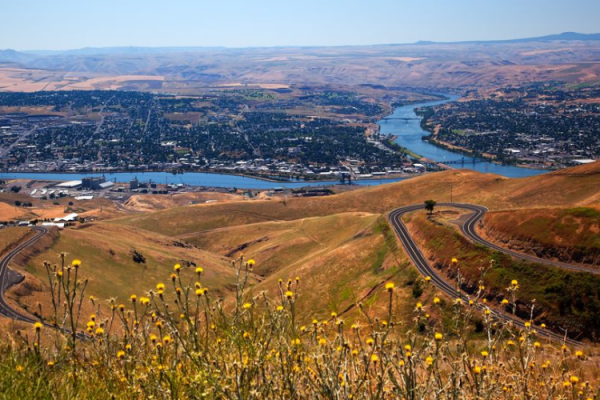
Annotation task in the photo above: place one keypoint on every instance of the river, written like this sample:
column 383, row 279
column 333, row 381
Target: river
column 410, row 134
column 189, row 178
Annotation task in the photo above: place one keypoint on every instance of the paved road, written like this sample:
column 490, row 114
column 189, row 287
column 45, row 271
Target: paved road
column 424, row 268
column 5, row 309
column 469, row 229
column 24, row 135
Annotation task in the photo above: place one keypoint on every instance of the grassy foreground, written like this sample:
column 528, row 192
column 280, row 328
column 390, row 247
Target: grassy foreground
column 178, row 340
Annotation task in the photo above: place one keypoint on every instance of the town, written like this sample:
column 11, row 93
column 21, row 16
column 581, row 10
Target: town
column 539, row 125
column 229, row 131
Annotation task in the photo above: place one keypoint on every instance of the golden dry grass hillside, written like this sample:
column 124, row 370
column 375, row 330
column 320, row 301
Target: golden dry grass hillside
column 340, row 244
column 160, row 202
column 322, row 265
column 566, row 234
column 97, row 208
column 341, row 259
column 110, row 268
column 571, row 187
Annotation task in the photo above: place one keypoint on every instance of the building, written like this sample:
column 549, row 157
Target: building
column 93, row 183
column 106, row 185
column 70, row 185
column 57, row 224
column 67, row 218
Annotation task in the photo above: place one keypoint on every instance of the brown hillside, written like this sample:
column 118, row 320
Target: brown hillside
column 107, row 251
column 574, row 186
column 161, row 202
column 563, row 234
column 341, row 259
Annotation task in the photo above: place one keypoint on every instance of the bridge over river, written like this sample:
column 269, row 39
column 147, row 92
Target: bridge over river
column 463, row 161
column 401, row 118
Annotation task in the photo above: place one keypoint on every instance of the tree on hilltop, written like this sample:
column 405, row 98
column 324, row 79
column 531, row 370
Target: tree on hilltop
column 429, row 205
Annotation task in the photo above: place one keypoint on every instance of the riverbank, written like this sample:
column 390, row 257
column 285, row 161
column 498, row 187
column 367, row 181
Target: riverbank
column 96, row 173
column 433, row 139
column 407, row 125
column 6, row 175
column 201, row 179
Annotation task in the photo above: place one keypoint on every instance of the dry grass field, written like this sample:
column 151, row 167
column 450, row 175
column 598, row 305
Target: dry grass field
column 340, row 261
column 113, row 273
column 571, row 187
column 566, row 234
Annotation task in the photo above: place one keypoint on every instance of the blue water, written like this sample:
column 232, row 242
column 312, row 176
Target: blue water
column 189, row 178
column 410, row 133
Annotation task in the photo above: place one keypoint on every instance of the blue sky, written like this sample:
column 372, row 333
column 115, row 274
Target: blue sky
column 62, row 24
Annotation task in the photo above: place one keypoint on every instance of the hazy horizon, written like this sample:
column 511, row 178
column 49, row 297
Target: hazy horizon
column 65, row 25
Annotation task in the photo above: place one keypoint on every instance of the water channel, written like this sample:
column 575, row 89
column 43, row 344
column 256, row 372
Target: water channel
column 406, row 125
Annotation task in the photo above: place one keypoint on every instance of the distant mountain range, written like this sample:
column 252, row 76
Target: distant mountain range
column 13, row 56
column 89, row 51
column 565, row 36
column 423, row 64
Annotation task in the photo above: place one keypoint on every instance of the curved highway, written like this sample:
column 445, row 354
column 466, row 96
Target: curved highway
column 468, row 228
column 5, row 309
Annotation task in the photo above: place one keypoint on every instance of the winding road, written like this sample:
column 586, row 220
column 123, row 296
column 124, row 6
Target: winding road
column 468, row 229
column 5, row 309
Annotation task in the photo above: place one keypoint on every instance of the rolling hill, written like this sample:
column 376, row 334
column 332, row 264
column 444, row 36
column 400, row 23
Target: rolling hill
column 576, row 186
column 569, row 57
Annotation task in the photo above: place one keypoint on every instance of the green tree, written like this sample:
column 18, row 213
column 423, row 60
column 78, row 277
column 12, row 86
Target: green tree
column 429, row 205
